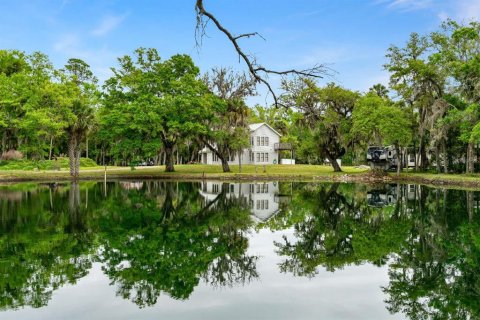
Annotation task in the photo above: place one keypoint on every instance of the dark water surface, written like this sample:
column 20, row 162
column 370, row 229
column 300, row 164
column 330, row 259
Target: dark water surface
column 192, row 250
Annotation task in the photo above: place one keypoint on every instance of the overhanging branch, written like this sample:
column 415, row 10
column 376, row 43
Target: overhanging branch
column 258, row 72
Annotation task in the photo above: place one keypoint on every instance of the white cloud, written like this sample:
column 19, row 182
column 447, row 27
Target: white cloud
column 406, row 5
column 467, row 9
column 108, row 24
column 461, row 10
column 66, row 42
column 100, row 59
column 334, row 53
column 443, row 15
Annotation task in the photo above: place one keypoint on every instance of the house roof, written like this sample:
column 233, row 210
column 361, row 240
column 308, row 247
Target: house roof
column 255, row 126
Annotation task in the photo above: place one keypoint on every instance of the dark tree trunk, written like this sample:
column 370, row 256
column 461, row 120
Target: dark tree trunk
column 415, row 157
column 4, row 142
column 240, row 153
column 222, row 154
column 445, row 157
column 420, row 151
column 437, row 156
column 77, row 160
column 470, row 157
column 398, row 150
column 225, row 166
column 424, row 159
column 169, row 158
column 72, row 147
column 50, row 149
column 193, row 156
column 334, row 163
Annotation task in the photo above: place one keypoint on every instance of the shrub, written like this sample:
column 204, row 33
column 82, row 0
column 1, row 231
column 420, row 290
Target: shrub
column 12, row 155
column 60, row 163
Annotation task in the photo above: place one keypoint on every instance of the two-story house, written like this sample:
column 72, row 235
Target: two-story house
column 264, row 148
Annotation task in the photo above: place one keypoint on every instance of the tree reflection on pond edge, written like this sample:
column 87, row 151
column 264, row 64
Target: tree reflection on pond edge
column 156, row 237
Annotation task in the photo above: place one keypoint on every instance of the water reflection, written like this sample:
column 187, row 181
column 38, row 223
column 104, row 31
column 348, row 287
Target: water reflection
column 262, row 197
column 156, row 238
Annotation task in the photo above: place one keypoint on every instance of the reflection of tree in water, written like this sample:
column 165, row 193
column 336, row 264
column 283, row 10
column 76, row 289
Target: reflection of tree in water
column 337, row 228
column 167, row 239
column 42, row 247
column 430, row 236
column 155, row 237
column 163, row 237
column 436, row 273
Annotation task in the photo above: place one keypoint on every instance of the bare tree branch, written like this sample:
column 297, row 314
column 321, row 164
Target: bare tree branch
column 248, row 35
column 258, row 72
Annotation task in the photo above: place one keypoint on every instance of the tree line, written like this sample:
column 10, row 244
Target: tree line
column 166, row 111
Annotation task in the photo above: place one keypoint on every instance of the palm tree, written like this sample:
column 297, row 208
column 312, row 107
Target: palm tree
column 77, row 73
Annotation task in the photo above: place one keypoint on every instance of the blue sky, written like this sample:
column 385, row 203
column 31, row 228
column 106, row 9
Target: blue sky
column 351, row 36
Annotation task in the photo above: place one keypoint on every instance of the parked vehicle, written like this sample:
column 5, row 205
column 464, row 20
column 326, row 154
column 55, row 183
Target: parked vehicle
column 382, row 157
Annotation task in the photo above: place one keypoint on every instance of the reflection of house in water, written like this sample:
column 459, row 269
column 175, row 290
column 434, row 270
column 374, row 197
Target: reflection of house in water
column 131, row 185
column 262, row 197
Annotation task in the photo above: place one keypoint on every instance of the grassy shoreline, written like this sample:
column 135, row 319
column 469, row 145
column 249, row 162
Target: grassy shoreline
column 249, row 172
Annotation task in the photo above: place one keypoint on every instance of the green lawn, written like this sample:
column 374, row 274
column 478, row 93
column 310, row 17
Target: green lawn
column 196, row 171
column 442, row 177
column 182, row 171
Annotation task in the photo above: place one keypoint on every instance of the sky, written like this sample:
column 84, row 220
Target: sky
column 351, row 37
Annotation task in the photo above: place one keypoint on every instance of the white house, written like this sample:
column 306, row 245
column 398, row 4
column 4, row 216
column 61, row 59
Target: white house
column 262, row 197
column 264, row 148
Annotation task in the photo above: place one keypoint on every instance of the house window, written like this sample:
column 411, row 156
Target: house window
column 266, row 157
column 263, row 157
column 215, row 188
column 266, row 204
column 258, row 156
column 258, row 141
column 265, row 188
column 215, row 157
column 258, row 188
column 262, row 141
column 252, row 188
column 232, row 188
column 252, row 141
column 266, row 141
column 258, row 204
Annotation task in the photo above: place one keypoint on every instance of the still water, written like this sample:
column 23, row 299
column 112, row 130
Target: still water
column 212, row 250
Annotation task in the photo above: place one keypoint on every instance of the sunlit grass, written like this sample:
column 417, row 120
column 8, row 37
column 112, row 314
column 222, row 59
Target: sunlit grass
column 442, row 176
column 190, row 171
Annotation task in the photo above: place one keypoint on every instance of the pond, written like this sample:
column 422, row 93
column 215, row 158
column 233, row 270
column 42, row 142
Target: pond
column 252, row 250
